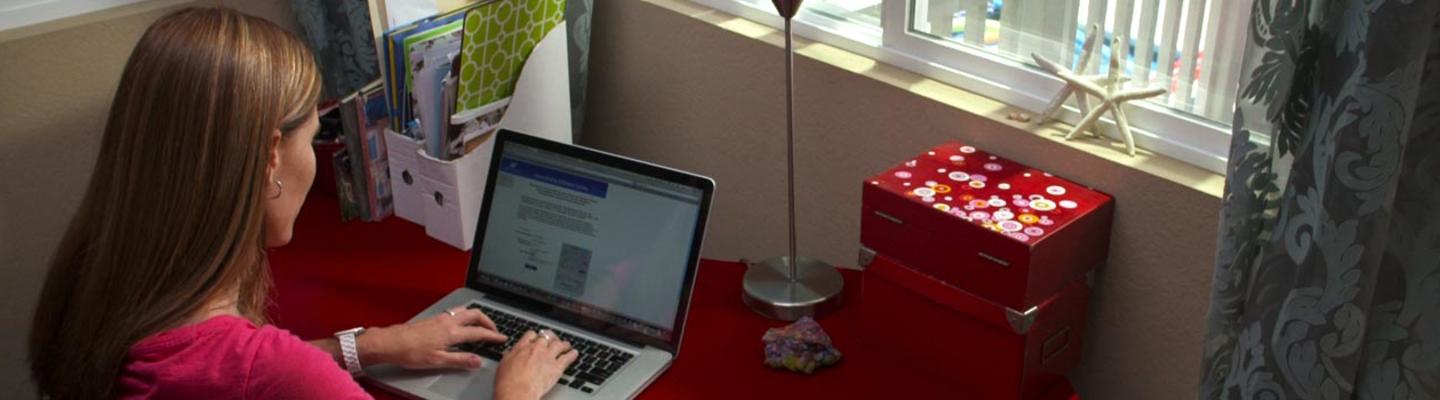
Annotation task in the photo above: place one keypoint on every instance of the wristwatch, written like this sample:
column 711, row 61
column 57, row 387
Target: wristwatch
column 348, row 352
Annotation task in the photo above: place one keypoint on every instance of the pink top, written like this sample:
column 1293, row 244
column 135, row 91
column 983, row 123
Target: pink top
column 227, row 357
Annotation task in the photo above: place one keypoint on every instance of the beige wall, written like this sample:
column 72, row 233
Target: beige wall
column 57, row 88
column 679, row 91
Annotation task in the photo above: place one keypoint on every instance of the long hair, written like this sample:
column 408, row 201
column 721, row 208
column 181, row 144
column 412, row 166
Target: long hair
column 173, row 214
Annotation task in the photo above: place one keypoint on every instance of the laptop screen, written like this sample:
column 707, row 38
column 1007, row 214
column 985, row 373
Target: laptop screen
column 591, row 239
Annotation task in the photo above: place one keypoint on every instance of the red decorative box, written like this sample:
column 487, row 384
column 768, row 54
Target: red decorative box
column 988, row 351
column 1004, row 231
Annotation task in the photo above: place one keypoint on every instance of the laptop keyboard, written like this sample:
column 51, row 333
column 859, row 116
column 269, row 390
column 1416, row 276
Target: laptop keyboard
column 596, row 364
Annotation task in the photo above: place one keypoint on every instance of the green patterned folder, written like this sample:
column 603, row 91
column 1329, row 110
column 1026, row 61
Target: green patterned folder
column 499, row 36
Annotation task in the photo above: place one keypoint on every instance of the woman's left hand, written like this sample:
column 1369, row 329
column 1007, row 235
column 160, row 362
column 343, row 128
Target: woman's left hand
column 426, row 344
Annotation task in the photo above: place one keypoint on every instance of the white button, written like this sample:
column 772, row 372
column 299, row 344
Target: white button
column 996, row 203
column 967, row 149
column 1011, row 226
column 1004, row 186
column 924, row 192
column 993, row 167
column 1003, row 215
column 902, row 174
column 931, row 183
column 959, row 176
column 1068, row 204
column 1055, row 190
column 957, row 158
column 1042, row 205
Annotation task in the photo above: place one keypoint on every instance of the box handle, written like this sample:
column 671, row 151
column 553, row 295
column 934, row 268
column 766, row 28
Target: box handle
column 405, row 176
column 1054, row 345
column 993, row 259
column 439, row 199
column 889, row 217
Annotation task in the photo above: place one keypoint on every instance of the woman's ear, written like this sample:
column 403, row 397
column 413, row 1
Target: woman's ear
column 272, row 164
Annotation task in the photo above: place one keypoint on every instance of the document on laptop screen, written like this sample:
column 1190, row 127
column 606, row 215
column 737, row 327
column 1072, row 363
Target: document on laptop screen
column 613, row 243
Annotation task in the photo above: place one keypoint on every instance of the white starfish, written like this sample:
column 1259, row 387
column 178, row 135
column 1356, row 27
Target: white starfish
column 1088, row 49
column 1107, row 88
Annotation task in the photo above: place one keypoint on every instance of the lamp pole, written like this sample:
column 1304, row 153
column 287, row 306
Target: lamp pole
column 790, row 287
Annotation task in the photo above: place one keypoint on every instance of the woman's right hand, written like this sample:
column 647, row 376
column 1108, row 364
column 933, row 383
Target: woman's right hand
column 532, row 366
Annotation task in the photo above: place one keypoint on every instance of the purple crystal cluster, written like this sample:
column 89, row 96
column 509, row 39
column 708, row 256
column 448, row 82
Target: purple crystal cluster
column 801, row 347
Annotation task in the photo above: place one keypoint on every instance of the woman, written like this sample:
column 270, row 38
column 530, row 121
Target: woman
column 158, row 289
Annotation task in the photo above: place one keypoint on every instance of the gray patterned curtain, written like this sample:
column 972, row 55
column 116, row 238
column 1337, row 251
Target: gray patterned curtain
column 577, row 17
column 340, row 35
column 1327, row 280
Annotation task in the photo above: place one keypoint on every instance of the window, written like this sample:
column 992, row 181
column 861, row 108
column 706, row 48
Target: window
column 853, row 19
column 985, row 46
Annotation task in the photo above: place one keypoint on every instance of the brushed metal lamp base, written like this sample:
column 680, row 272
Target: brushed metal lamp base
column 814, row 291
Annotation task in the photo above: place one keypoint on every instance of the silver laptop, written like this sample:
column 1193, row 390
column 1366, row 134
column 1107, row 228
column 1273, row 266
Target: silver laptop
column 599, row 248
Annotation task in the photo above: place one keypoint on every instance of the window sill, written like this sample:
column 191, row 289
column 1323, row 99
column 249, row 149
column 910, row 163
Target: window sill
column 17, row 23
column 1151, row 163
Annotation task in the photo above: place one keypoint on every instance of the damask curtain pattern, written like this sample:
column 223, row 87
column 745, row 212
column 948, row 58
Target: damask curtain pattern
column 577, row 18
column 1327, row 280
column 339, row 33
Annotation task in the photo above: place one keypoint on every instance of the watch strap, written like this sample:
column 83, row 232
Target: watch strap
column 349, row 352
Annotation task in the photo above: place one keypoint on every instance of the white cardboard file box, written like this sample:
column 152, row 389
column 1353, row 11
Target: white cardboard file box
column 405, row 176
column 452, row 192
column 445, row 196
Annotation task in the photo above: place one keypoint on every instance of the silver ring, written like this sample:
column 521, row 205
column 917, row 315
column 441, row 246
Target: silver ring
column 545, row 335
column 451, row 312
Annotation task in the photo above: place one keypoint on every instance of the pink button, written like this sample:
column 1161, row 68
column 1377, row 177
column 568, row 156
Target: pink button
column 1011, row 226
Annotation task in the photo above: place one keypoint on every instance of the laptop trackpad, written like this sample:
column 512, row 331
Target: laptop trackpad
column 478, row 384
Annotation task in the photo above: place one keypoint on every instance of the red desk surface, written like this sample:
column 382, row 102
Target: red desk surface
column 335, row 276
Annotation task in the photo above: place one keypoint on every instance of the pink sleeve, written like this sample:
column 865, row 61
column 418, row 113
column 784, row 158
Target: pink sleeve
column 286, row 367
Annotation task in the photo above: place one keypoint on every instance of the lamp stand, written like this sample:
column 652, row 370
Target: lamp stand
column 790, row 287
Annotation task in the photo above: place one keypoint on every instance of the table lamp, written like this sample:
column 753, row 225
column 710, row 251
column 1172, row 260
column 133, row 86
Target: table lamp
column 790, row 287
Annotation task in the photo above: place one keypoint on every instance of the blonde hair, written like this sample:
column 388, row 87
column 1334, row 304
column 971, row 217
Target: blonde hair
column 172, row 216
